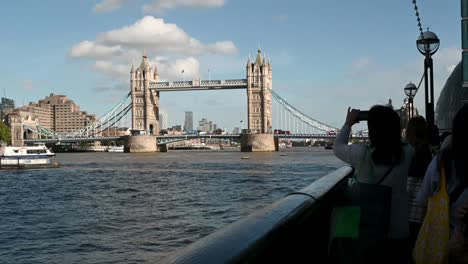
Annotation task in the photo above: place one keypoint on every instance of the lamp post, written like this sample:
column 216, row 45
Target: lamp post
column 428, row 43
column 410, row 91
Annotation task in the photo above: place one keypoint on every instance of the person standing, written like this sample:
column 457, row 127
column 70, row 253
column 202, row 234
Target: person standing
column 417, row 136
column 388, row 155
column 454, row 160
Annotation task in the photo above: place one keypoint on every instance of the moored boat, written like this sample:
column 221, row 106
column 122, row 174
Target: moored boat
column 115, row 149
column 329, row 145
column 36, row 156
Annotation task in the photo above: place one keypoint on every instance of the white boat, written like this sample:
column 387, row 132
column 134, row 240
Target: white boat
column 115, row 149
column 285, row 145
column 37, row 155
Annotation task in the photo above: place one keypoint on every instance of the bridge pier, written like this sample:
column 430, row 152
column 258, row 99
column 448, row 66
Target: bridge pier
column 257, row 142
column 163, row 148
column 141, row 143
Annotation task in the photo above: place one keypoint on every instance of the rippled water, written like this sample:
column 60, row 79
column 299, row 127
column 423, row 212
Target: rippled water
column 134, row 208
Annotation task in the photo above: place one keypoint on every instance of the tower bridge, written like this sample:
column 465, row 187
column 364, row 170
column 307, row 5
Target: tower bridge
column 142, row 104
column 146, row 87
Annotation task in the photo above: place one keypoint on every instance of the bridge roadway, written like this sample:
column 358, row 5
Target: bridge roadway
column 73, row 139
column 196, row 85
column 171, row 139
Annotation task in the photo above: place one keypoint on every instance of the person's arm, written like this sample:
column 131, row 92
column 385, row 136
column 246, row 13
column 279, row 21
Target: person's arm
column 353, row 153
column 429, row 184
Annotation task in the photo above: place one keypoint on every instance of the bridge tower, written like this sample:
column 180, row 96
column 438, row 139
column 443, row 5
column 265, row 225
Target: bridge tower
column 145, row 109
column 259, row 109
column 145, row 102
column 259, row 98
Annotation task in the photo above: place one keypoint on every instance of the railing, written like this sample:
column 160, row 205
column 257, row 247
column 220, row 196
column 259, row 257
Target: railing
column 294, row 229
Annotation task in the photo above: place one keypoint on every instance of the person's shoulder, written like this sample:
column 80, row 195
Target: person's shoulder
column 433, row 168
column 408, row 149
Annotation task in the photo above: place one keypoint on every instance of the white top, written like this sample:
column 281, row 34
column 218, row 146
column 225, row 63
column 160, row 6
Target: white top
column 431, row 184
column 397, row 178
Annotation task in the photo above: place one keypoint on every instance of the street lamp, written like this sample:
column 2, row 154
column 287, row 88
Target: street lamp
column 428, row 43
column 410, row 91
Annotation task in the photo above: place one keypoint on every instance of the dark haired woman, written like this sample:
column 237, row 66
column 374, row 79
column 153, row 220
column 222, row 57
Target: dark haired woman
column 386, row 156
column 454, row 159
column 418, row 137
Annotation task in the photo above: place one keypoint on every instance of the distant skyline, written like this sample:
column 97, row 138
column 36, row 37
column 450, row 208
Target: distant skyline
column 326, row 55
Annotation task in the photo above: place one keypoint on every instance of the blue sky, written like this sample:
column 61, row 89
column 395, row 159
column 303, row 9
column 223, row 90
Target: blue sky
column 326, row 54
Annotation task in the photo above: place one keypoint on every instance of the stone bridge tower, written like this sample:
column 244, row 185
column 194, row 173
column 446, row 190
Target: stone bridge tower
column 259, row 99
column 145, row 102
column 18, row 132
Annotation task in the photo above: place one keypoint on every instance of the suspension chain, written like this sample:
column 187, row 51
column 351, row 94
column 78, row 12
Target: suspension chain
column 417, row 17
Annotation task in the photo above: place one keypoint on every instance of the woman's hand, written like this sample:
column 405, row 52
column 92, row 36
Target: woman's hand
column 352, row 117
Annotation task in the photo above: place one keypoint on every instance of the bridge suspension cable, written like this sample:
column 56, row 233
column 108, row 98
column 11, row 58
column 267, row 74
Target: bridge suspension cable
column 298, row 117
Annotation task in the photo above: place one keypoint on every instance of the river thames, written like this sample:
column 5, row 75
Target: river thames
column 136, row 208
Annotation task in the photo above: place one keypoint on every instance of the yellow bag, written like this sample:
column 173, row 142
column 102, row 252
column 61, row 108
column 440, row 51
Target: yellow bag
column 432, row 244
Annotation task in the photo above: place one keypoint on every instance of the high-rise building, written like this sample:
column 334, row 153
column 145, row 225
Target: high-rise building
column 188, row 124
column 58, row 113
column 163, row 120
column 206, row 126
column 6, row 106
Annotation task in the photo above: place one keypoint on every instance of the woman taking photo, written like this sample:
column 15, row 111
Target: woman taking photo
column 385, row 157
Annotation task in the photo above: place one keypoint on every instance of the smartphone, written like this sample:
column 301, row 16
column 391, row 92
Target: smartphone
column 363, row 115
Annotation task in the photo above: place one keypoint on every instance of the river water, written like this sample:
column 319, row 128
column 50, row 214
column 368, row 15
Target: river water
column 136, row 208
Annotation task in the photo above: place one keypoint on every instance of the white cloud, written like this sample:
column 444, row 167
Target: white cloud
column 108, row 5
column 159, row 6
column 163, row 38
column 450, row 68
column 447, row 58
column 92, row 50
column 28, row 85
column 121, row 86
column 223, row 47
column 113, row 51
column 190, row 67
column 116, row 71
column 168, row 70
column 361, row 63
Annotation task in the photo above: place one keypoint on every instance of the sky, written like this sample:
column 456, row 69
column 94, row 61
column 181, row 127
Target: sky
column 326, row 55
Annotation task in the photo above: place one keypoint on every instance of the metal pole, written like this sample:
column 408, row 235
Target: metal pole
column 431, row 104
column 410, row 108
column 426, row 88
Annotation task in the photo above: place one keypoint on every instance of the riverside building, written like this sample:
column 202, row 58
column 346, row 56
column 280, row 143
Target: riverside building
column 57, row 113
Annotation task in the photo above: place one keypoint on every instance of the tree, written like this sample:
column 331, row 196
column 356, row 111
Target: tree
column 5, row 133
